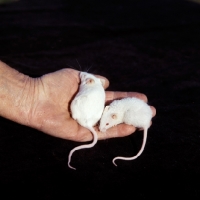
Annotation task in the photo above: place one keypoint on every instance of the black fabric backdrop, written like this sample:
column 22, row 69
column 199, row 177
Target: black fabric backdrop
column 152, row 47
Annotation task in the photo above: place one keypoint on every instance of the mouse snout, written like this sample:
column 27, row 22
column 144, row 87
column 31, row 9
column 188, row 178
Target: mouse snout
column 103, row 130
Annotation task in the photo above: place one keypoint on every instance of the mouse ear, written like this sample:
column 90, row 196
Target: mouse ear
column 82, row 75
column 106, row 108
column 102, row 81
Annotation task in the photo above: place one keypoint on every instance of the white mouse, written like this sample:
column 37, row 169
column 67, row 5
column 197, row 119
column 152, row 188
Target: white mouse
column 87, row 106
column 130, row 110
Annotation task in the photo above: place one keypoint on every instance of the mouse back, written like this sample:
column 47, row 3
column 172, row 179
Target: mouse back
column 88, row 104
column 131, row 110
column 87, row 107
column 138, row 113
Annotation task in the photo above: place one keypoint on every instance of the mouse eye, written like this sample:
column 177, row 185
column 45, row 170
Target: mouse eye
column 114, row 116
column 89, row 80
column 107, row 124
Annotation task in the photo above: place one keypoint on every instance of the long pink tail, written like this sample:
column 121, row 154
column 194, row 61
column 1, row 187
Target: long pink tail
column 95, row 138
column 138, row 154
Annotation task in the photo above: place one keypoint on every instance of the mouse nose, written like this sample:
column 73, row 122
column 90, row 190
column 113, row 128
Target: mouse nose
column 103, row 130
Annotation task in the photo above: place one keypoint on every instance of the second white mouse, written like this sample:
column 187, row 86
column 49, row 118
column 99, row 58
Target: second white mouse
column 87, row 106
column 132, row 111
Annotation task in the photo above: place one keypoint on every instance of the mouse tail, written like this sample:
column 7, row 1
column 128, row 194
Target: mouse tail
column 138, row 154
column 95, row 138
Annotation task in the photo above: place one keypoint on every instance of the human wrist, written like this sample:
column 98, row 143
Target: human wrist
column 15, row 94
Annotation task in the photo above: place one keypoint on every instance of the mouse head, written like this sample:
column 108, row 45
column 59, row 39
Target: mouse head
column 110, row 118
column 89, row 79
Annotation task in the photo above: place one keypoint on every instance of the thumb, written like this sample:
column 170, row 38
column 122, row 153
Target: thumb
column 104, row 80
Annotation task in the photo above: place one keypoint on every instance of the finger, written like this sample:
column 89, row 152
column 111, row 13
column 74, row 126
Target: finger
column 111, row 95
column 105, row 81
column 120, row 130
column 153, row 111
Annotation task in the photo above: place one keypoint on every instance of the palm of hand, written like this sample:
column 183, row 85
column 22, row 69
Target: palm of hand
column 51, row 110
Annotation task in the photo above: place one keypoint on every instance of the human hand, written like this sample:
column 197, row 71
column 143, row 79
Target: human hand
column 44, row 103
column 50, row 112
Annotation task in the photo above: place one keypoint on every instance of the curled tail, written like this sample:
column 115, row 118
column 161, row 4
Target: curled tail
column 95, row 138
column 138, row 154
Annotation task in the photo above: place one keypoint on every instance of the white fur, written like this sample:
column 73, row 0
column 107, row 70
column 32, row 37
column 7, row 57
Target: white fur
column 132, row 111
column 87, row 106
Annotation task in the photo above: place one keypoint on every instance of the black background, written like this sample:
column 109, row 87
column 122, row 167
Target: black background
column 152, row 47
